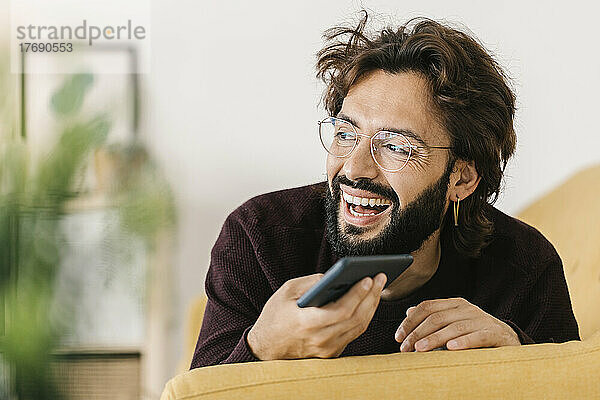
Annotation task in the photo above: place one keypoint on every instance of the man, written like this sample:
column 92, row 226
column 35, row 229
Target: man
column 419, row 133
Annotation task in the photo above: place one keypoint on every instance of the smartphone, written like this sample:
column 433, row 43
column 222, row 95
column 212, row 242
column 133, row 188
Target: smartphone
column 349, row 270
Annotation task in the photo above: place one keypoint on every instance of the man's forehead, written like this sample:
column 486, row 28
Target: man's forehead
column 402, row 100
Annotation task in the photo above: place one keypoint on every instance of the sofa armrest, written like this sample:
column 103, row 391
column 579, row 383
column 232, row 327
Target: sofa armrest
column 549, row 370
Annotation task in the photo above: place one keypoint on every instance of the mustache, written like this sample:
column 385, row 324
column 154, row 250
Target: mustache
column 364, row 184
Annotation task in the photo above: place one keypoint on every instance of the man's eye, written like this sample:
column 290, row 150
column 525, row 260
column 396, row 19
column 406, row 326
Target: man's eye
column 345, row 135
column 398, row 149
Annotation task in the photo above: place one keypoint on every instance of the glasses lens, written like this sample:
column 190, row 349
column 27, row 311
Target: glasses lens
column 392, row 150
column 338, row 137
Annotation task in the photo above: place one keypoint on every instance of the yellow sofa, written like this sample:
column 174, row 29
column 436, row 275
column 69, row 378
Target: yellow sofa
column 569, row 217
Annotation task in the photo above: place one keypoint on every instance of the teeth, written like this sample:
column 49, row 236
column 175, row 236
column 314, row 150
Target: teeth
column 357, row 214
column 347, row 198
column 363, row 201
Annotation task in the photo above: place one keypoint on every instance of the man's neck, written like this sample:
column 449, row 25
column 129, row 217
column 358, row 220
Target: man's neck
column 426, row 261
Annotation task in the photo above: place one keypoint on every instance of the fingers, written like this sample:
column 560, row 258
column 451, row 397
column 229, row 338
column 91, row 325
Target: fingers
column 418, row 314
column 452, row 331
column 433, row 323
column 365, row 310
column 295, row 288
column 340, row 324
column 480, row 338
column 465, row 323
column 490, row 334
column 361, row 318
column 347, row 304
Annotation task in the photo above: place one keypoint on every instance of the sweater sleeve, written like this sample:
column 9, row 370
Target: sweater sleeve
column 523, row 337
column 550, row 314
column 236, row 290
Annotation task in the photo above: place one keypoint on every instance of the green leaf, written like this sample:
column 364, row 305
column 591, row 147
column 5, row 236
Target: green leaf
column 69, row 98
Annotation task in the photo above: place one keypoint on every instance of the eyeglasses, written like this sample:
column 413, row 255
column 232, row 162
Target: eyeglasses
column 390, row 150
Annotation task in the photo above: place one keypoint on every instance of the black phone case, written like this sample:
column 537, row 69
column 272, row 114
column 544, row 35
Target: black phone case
column 347, row 271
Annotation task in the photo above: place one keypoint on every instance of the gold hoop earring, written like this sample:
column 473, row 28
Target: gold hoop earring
column 456, row 205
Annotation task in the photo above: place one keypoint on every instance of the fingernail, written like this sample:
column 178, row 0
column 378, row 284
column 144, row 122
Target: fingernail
column 409, row 309
column 367, row 283
column 404, row 346
column 400, row 334
column 421, row 345
column 381, row 280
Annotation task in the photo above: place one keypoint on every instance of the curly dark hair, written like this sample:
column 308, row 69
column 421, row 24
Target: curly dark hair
column 470, row 90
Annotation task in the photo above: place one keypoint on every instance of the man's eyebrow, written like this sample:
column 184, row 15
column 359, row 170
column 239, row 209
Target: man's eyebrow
column 406, row 132
column 347, row 119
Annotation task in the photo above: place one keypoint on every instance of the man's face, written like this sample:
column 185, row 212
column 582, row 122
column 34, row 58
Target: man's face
column 417, row 195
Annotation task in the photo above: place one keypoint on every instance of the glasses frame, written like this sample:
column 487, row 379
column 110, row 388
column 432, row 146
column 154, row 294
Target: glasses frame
column 371, row 146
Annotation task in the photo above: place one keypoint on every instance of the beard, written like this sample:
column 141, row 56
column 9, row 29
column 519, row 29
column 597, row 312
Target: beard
column 407, row 229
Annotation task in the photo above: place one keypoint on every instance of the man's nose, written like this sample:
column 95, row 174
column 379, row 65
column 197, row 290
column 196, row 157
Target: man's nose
column 360, row 163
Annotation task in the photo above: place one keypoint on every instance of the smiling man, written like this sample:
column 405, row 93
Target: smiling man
column 419, row 131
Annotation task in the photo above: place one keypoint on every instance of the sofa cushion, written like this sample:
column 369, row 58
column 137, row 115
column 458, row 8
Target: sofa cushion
column 569, row 216
column 549, row 370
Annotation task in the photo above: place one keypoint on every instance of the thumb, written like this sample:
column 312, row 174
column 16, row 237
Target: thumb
column 298, row 286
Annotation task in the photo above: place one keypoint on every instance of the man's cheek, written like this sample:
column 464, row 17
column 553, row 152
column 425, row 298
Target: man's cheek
column 333, row 166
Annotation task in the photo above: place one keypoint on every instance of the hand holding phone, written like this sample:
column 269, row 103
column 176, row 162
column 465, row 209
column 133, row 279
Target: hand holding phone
column 349, row 270
column 285, row 331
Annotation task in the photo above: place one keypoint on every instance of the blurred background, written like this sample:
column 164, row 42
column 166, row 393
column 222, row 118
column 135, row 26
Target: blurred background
column 204, row 120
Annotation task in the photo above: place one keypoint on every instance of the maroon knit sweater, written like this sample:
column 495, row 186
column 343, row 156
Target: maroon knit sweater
column 278, row 236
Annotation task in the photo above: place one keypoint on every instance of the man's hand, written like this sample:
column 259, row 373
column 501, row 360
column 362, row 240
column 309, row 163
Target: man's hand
column 285, row 331
column 455, row 323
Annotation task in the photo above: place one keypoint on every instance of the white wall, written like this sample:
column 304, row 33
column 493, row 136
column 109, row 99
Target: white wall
column 224, row 73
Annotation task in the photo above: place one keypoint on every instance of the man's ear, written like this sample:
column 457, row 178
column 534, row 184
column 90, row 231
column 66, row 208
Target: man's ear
column 463, row 180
